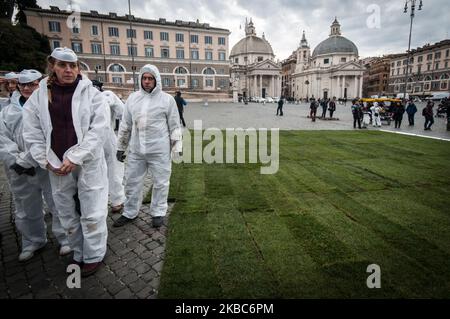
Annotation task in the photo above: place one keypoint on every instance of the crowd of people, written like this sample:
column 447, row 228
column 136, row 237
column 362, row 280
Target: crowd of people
column 58, row 145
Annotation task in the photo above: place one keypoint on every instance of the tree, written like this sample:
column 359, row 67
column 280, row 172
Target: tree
column 22, row 47
column 7, row 9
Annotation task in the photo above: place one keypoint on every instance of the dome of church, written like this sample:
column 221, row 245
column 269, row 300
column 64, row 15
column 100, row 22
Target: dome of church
column 336, row 43
column 251, row 44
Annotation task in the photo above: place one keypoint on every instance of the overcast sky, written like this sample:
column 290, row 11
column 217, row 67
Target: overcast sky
column 376, row 27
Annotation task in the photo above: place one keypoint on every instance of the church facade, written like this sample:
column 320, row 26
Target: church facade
column 332, row 70
column 254, row 73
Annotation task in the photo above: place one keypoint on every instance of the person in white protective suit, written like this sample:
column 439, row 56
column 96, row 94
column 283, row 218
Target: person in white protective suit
column 376, row 114
column 151, row 128
column 28, row 182
column 65, row 126
column 115, row 168
column 9, row 81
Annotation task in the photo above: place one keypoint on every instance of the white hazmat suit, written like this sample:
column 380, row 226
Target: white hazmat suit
column 88, row 232
column 28, row 191
column 376, row 116
column 115, row 168
column 150, row 127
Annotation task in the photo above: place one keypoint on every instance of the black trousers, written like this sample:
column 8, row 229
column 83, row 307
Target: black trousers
column 428, row 122
column 331, row 113
column 355, row 119
column 398, row 123
column 182, row 118
column 324, row 112
column 280, row 110
column 411, row 119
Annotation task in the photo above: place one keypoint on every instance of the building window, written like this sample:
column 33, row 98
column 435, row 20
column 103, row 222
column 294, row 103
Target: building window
column 132, row 50
column 223, row 83
column 222, row 56
column 113, row 32
column 221, row 71
column 165, row 69
column 437, row 55
column 180, row 70
column 260, row 58
column 443, row 85
column 429, row 57
column 75, row 30
column 164, row 36
column 194, row 70
column 326, row 61
column 209, row 71
column 77, row 47
column 116, row 68
column 180, row 54
column 447, row 53
column 399, row 63
column 117, row 79
column 179, row 37
column 393, row 71
column 446, row 64
column 115, row 49
column 148, row 52
column 194, row 38
column 54, row 26
column 436, row 66
column 94, row 30
column 398, row 71
column 393, row 64
column 221, row 41
column 148, row 35
column 96, row 48
column 166, row 82
column 56, row 44
column 236, row 60
column 208, row 55
column 428, row 67
column 98, row 67
column 165, row 53
column 420, row 59
column 208, row 39
column 131, row 33
column 194, row 54
column 419, row 68
column 195, row 83
column 343, row 60
column 209, row 83
column 181, row 82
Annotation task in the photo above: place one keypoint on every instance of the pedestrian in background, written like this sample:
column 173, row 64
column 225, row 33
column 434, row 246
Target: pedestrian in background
column 411, row 110
column 181, row 103
column 280, row 106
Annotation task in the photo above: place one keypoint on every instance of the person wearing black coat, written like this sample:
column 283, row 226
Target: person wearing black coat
column 280, row 106
column 411, row 110
column 398, row 115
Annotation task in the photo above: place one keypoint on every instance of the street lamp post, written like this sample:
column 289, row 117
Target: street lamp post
column 133, row 67
column 413, row 9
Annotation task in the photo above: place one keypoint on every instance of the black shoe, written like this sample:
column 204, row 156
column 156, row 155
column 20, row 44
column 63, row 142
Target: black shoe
column 122, row 220
column 157, row 221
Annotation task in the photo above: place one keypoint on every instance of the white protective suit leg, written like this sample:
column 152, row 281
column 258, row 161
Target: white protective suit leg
column 29, row 212
column 160, row 166
column 87, row 233
column 115, row 171
column 377, row 121
column 136, row 171
column 57, row 229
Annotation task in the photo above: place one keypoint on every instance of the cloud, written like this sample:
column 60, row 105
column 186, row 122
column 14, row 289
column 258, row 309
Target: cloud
column 283, row 21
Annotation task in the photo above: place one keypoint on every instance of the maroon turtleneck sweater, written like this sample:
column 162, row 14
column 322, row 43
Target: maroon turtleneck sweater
column 63, row 133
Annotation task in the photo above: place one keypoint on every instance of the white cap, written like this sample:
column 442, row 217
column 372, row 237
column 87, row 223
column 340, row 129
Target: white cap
column 27, row 76
column 64, row 54
column 11, row 76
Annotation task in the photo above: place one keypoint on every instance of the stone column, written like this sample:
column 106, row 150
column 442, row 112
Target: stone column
column 254, row 85
column 343, row 86
column 360, row 86
column 260, row 85
column 338, row 87
column 272, row 82
column 356, row 86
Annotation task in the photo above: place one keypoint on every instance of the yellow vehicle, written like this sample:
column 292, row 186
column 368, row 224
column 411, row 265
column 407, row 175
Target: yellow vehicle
column 386, row 113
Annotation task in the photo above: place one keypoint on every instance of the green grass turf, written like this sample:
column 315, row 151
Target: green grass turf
column 339, row 202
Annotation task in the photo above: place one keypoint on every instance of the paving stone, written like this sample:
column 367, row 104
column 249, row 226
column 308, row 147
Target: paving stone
column 137, row 286
column 158, row 250
column 124, row 294
column 158, row 266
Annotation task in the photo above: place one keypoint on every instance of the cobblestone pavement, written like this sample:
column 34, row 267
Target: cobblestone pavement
column 131, row 269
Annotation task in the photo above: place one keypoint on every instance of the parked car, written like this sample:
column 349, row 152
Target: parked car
column 269, row 99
